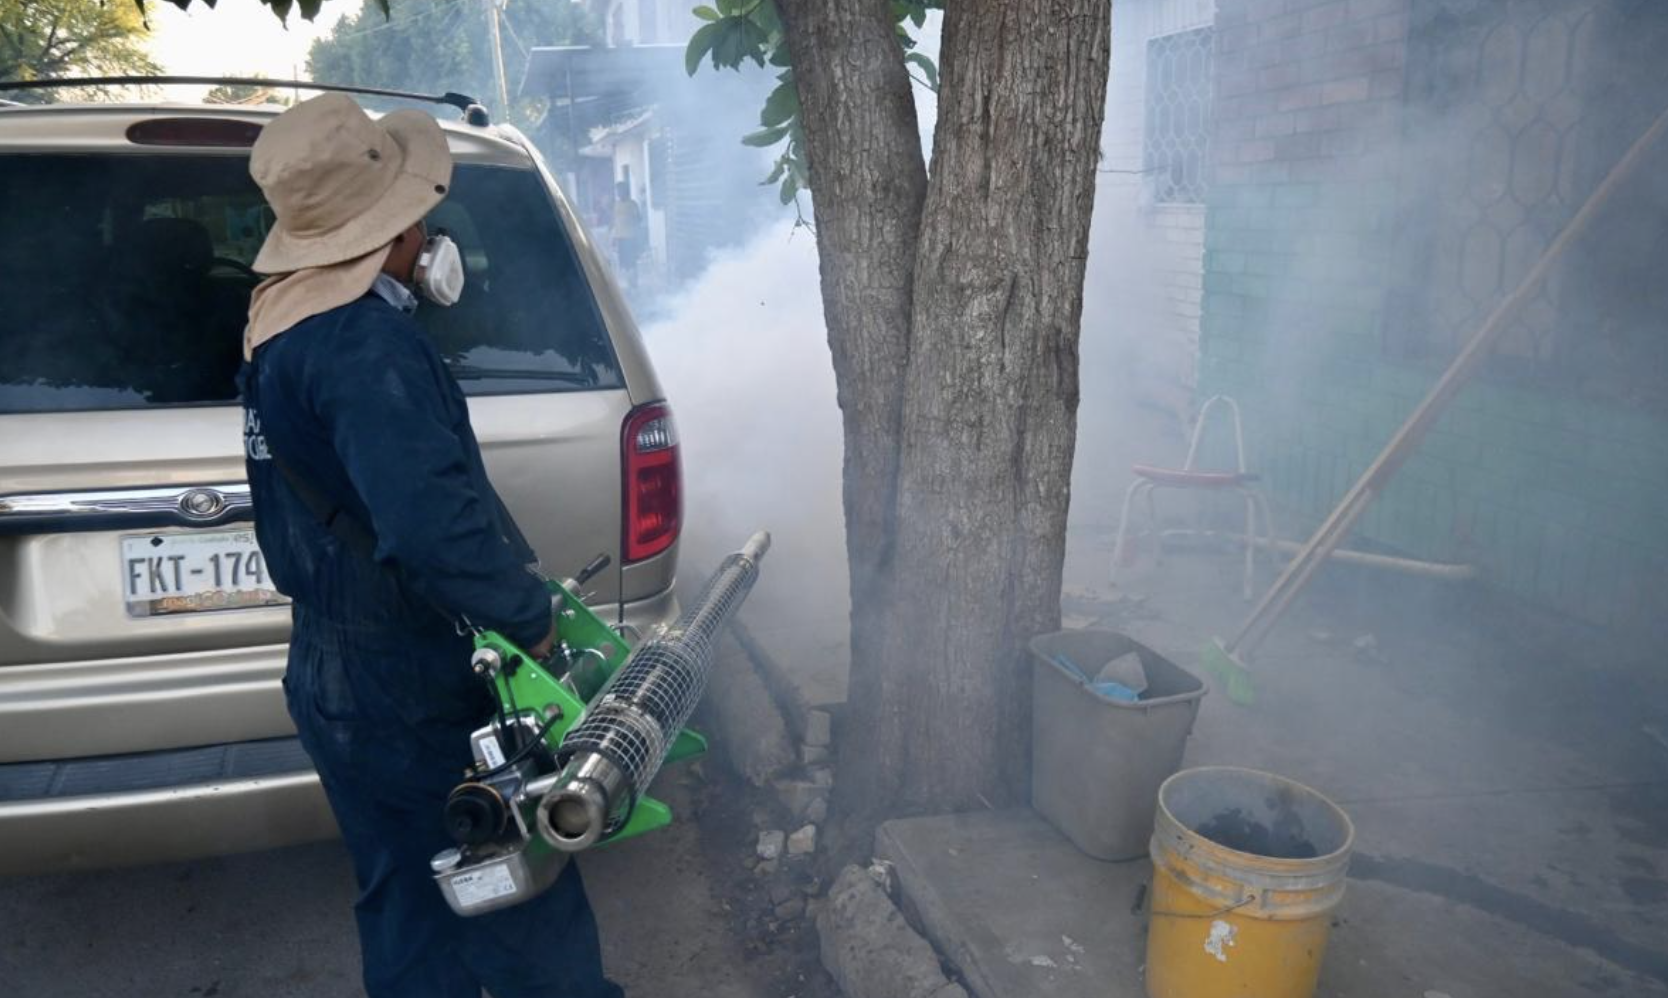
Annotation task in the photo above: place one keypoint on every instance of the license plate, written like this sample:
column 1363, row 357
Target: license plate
column 189, row 573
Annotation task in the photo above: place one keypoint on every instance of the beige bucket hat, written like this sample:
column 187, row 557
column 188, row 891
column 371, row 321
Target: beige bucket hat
column 342, row 184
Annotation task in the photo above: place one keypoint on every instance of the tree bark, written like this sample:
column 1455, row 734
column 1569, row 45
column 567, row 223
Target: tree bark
column 954, row 329
column 863, row 151
column 990, row 407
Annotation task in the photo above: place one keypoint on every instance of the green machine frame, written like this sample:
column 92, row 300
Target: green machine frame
column 594, row 651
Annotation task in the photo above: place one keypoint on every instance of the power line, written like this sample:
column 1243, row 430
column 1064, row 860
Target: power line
column 434, row 7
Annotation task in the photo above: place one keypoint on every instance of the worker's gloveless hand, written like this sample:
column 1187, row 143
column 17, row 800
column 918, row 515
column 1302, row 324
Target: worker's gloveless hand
column 542, row 650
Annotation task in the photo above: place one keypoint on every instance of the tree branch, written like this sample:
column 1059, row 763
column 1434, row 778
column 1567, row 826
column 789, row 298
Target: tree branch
column 52, row 32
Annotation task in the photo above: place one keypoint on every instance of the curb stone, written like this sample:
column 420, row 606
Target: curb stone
column 871, row 951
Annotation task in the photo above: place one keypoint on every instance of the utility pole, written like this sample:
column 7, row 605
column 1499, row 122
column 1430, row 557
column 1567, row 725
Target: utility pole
column 502, row 111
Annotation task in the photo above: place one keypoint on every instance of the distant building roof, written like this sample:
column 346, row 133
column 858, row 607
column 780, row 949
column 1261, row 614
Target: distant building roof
column 597, row 71
column 602, row 138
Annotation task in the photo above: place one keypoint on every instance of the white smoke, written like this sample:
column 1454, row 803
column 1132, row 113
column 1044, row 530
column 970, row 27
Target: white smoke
column 744, row 359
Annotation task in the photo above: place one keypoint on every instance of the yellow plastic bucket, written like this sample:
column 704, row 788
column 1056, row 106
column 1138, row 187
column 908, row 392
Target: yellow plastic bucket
column 1247, row 867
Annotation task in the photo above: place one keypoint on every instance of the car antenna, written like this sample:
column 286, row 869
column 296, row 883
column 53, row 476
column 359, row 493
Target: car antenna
column 473, row 111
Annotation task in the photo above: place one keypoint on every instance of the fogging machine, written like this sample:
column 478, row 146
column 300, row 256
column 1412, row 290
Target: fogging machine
column 578, row 738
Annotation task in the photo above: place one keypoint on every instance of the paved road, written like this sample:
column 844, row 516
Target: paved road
column 278, row 925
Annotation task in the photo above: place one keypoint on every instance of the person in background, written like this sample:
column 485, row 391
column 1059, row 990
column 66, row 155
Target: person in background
column 374, row 512
column 627, row 233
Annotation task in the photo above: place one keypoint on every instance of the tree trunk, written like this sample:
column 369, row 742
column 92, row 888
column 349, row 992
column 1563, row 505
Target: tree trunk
column 955, row 352
column 863, row 150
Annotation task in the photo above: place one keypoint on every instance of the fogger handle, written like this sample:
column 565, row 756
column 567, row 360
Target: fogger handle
column 590, row 571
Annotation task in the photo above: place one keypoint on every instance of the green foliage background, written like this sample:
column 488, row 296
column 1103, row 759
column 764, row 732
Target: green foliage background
column 431, row 46
column 739, row 31
column 50, row 38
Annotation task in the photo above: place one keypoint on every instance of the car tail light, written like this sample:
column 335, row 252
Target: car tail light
column 653, row 482
column 194, row 132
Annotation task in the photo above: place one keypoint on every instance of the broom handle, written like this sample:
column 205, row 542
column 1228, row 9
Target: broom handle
column 1355, row 502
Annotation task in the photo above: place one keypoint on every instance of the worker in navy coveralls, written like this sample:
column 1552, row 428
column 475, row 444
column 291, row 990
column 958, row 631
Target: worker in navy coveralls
column 349, row 406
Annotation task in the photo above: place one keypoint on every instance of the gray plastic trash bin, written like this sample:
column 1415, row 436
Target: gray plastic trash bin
column 1097, row 762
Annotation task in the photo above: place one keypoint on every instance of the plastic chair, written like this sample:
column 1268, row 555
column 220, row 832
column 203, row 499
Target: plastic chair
column 1149, row 479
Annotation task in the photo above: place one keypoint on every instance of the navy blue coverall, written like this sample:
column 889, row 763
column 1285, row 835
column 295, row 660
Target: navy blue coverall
column 360, row 407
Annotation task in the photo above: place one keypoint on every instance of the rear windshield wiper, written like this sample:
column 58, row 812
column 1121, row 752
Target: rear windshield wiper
column 474, row 372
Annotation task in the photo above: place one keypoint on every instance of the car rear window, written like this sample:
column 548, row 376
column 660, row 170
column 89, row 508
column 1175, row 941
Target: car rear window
column 128, row 282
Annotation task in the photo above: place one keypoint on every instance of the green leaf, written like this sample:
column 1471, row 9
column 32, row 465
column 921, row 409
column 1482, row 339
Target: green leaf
column 738, row 38
column 727, row 51
column 781, row 56
column 928, row 69
column 765, row 16
column 914, row 11
column 780, row 106
column 730, row 7
column 706, row 13
column 776, row 174
column 700, row 43
column 790, row 189
column 764, row 137
column 310, row 8
column 755, row 39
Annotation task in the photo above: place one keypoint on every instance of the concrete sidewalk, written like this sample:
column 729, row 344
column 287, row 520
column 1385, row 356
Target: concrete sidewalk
column 1022, row 914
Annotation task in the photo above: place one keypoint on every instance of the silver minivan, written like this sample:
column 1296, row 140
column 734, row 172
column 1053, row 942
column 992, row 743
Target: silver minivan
column 141, row 642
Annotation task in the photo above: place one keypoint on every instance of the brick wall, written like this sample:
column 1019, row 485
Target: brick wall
column 1562, row 500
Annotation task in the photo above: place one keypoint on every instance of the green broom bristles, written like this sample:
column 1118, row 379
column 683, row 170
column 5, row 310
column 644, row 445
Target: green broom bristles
column 1229, row 675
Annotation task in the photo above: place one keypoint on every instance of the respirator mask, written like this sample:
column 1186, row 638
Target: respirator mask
column 439, row 273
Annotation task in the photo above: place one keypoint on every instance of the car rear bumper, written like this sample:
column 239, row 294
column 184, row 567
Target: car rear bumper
column 158, row 806
column 96, row 809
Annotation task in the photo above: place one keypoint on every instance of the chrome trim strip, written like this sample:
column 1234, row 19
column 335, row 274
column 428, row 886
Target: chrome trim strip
column 184, row 506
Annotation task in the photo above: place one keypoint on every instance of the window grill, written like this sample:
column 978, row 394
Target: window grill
column 1515, row 111
column 1180, row 82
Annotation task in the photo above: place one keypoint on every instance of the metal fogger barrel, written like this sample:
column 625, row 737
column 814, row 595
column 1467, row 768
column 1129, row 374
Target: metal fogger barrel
column 612, row 755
